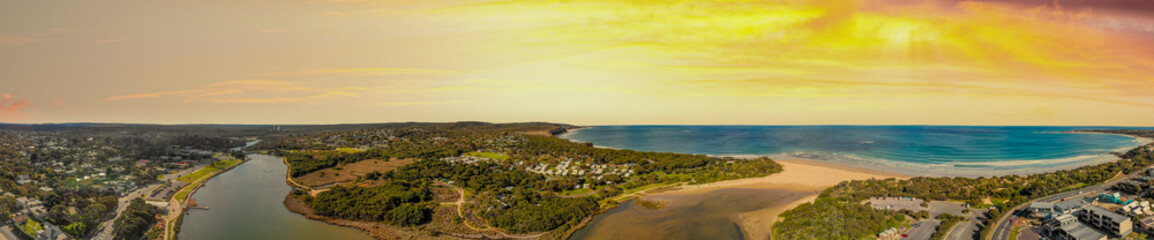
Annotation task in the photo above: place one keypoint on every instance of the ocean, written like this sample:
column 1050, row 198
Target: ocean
column 910, row 150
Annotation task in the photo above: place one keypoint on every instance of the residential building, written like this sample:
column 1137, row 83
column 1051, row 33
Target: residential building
column 1067, row 227
column 1111, row 222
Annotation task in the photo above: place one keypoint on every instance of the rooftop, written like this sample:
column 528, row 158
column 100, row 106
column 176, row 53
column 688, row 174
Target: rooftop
column 1116, row 217
column 1070, row 204
column 1080, row 230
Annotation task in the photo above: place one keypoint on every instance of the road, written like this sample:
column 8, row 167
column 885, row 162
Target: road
column 106, row 227
column 1002, row 231
column 105, row 231
column 965, row 229
column 923, row 231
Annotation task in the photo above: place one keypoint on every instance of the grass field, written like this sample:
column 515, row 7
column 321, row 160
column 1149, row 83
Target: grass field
column 349, row 150
column 223, row 164
column 201, row 175
column 32, row 227
column 490, row 155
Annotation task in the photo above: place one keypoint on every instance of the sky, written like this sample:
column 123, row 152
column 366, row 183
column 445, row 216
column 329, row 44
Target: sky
column 586, row 62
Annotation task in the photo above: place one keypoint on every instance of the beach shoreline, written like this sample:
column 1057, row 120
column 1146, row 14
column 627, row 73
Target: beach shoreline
column 799, row 175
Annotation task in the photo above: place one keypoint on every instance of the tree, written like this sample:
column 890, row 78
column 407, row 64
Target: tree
column 136, row 220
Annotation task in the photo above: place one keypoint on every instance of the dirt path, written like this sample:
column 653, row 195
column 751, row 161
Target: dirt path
column 461, row 213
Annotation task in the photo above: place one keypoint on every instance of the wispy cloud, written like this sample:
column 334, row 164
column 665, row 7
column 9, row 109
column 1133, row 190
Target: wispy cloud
column 377, row 71
column 113, row 40
column 250, row 91
column 12, row 107
column 17, row 41
column 426, row 102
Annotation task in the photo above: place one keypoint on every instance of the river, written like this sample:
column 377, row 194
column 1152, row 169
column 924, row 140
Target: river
column 713, row 215
column 247, row 203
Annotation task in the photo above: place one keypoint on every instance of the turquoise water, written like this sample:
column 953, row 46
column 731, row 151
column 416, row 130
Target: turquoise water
column 914, row 150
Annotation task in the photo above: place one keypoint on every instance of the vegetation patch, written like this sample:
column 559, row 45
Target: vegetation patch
column 553, row 184
column 396, row 202
column 350, row 172
column 207, row 170
column 32, row 227
column 948, row 222
column 652, row 204
column 490, row 155
column 136, row 220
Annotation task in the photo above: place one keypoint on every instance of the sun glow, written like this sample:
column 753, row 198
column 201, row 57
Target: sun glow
column 651, row 61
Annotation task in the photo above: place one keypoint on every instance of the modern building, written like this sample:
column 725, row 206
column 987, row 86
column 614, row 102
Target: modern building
column 1070, row 206
column 1067, row 227
column 1041, row 209
column 1111, row 222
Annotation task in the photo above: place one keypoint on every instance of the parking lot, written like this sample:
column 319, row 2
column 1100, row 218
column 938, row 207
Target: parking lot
column 922, row 230
column 895, row 203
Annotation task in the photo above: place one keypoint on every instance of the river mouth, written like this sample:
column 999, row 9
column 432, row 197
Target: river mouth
column 711, row 215
column 247, row 203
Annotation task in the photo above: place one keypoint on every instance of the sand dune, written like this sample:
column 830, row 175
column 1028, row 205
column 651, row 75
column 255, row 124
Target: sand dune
column 797, row 175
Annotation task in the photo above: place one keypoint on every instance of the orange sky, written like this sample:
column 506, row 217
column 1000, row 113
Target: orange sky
column 1012, row 62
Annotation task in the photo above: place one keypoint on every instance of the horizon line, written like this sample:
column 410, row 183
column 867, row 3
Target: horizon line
column 579, row 125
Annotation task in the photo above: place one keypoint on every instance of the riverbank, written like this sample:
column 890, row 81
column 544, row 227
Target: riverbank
column 797, row 175
column 177, row 203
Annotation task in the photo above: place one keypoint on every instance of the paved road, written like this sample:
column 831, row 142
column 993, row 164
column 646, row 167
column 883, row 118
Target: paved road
column 106, row 227
column 1002, row 232
column 963, row 230
column 923, row 231
column 105, row 231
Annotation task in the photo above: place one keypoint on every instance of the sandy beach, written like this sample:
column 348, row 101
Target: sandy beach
column 797, row 175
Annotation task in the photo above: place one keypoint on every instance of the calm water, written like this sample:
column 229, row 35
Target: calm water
column 247, row 203
column 713, row 215
column 917, row 150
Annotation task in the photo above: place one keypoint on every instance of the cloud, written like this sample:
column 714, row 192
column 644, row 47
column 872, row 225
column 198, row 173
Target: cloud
column 426, row 102
column 17, row 41
column 114, row 40
column 377, row 71
column 12, row 107
column 334, row 14
column 831, row 48
column 250, row 91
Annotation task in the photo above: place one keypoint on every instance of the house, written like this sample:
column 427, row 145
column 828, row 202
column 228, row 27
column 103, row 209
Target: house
column 38, row 212
column 1067, row 227
column 20, row 220
column 1146, row 224
column 51, row 232
column 1111, row 222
